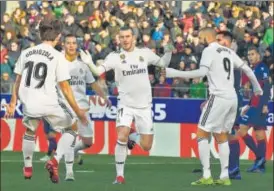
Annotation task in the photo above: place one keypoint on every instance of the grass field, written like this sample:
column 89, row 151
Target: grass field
column 142, row 174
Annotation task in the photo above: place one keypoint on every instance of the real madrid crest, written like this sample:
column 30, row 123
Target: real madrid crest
column 122, row 56
column 141, row 59
column 81, row 71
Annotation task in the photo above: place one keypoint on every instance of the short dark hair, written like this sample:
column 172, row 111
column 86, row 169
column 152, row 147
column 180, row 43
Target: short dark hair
column 50, row 29
column 253, row 48
column 126, row 28
column 69, row 36
column 227, row 35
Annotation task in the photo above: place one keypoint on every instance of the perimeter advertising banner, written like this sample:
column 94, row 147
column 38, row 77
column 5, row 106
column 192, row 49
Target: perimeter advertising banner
column 175, row 126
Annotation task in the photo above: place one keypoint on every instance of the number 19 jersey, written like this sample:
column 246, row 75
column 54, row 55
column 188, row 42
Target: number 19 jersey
column 221, row 62
column 41, row 67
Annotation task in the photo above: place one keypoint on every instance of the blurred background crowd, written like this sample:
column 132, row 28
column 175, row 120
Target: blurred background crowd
column 155, row 23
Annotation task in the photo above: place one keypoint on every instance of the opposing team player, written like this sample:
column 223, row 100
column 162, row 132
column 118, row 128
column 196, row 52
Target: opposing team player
column 219, row 113
column 39, row 69
column 256, row 113
column 81, row 76
column 225, row 38
column 51, row 136
column 131, row 75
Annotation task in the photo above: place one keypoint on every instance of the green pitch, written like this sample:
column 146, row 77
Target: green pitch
column 142, row 174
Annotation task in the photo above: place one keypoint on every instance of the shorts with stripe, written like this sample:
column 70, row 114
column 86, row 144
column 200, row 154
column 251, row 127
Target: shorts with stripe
column 218, row 115
column 59, row 118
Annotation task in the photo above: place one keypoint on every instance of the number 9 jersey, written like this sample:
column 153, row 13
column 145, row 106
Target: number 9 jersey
column 221, row 62
column 41, row 67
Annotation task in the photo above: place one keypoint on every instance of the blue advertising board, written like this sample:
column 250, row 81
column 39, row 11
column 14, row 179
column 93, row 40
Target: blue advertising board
column 164, row 110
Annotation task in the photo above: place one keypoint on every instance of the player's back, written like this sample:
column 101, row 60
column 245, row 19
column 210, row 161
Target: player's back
column 41, row 67
column 219, row 60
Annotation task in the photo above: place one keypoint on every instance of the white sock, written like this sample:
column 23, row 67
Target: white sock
column 80, row 145
column 120, row 157
column 224, row 159
column 28, row 149
column 69, row 159
column 135, row 137
column 204, row 152
column 66, row 141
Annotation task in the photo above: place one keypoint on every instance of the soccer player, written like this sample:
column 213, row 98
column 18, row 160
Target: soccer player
column 131, row 75
column 51, row 135
column 219, row 113
column 225, row 38
column 39, row 69
column 80, row 77
column 256, row 112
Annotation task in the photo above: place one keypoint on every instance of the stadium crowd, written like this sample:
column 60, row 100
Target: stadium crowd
column 156, row 25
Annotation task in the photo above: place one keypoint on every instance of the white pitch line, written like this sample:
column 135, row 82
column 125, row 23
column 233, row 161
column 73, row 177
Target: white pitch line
column 134, row 163
column 84, row 171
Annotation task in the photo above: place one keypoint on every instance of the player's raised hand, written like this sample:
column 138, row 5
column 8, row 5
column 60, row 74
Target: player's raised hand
column 265, row 109
column 82, row 116
column 86, row 57
column 10, row 110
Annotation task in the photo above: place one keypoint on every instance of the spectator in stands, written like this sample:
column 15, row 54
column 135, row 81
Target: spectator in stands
column 197, row 89
column 162, row 89
column 14, row 51
column 7, row 66
column 6, row 83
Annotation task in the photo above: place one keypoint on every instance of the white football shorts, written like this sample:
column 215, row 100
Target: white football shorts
column 141, row 116
column 218, row 115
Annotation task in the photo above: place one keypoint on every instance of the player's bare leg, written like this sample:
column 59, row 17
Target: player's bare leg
column 65, row 144
column 204, row 152
column 83, row 143
column 146, row 141
column 222, row 140
column 121, row 153
column 28, row 149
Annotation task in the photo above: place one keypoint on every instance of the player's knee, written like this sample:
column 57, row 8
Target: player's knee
column 146, row 147
column 123, row 133
column 30, row 132
column 260, row 135
column 88, row 142
column 242, row 132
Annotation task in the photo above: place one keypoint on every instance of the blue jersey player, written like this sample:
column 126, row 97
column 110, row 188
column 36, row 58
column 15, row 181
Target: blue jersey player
column 51, row 136
column 256, row 113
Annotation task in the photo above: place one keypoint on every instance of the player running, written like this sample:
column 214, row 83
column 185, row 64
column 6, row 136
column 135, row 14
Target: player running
column 256, row 112
column 80, row 77
column 39, row 69
column 219, row 113
column 131, row 75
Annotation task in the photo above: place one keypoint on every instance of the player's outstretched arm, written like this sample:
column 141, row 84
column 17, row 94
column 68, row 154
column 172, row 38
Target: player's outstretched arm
column 154, row 59
column 10, row 108
column 66, row 89
column 87, row 59
column 255, row 84
column 172, row 73
column 100, row 92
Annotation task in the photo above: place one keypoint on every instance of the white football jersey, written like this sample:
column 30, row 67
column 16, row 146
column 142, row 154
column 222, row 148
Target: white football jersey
column 41, row 67
column 131, row 75
column 221, row 62
column 80, row 77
